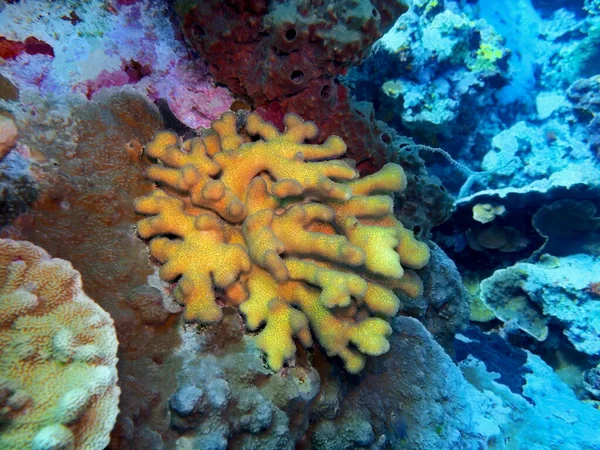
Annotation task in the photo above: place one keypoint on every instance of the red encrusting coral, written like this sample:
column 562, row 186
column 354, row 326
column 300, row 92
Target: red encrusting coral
column 286, row 56
column 10, row 49
column 131, row 72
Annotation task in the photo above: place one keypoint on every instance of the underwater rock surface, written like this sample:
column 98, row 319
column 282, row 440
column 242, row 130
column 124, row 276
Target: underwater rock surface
column 561, row 291
column 490, row 108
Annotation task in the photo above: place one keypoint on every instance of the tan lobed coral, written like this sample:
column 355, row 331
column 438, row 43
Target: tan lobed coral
column 8, row 134
column 249, row 216
column 57, row 355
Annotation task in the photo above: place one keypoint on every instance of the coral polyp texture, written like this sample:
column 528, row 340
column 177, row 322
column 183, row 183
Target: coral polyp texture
column 58, row 376
column 252, row 217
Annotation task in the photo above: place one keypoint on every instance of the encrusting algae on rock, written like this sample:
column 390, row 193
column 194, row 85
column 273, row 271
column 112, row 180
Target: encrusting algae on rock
column 251, row 217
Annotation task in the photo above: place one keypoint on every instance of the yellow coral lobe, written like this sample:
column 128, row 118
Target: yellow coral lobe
column 370, row 336
column 410, row 284
column 390, row 178
column 413, row 254
column 161, row 142
column 262, row 289
column 378, row 243
column 337, row 288
column 253, row 217
column 381, row 300
column 276, row 338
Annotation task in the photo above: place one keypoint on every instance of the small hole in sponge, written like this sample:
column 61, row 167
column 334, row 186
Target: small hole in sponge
column 290, row 34
column 297, row 76
column 326, row 92
column 386, row 138
column 198, row 32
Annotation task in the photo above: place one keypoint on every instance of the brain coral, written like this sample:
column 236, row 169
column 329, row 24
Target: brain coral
column 251, row 217
column 57, row 355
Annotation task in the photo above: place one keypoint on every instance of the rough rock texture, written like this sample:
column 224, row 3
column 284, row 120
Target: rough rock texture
column 272, row 50
column 444, row 307
column 558, row 290
column 414, row 397
column 425, row 203
column 227, row 398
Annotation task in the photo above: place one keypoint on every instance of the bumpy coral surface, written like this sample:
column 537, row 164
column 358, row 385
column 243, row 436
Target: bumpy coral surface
column 271, row 50
column 129, row 43
column 8, row 134
column 57, row 355
column 287, row 56
column 249, row 216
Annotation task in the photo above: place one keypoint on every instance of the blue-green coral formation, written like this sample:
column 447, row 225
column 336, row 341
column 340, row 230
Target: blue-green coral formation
column 435, row 67
column 556, row 290
column 547, row 416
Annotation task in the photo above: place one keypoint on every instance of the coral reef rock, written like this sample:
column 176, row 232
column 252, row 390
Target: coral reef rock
column 558, row 290
column 300, row 44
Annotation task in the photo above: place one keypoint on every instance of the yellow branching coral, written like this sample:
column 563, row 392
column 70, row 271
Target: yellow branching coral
column 248, row 216
column 58, row 376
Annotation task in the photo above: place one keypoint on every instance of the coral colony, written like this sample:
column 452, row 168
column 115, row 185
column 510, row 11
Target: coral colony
column 270, row 225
